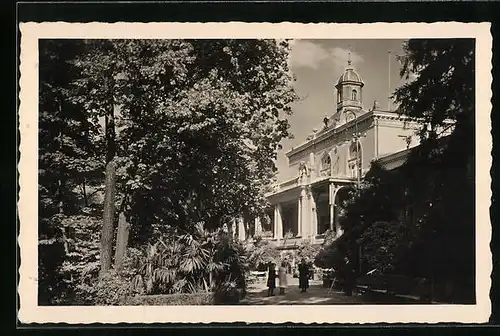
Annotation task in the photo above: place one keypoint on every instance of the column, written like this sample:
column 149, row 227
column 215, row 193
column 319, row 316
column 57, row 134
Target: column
column 241, row 229
column 258, row 226
column 313, row 227
column 299, row 216
column 278, row 223
column 331, row 195
column 305, row 213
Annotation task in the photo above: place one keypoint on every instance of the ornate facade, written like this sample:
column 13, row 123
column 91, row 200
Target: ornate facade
column 332, row 159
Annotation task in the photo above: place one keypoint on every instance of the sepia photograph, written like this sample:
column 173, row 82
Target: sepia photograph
column 283, row 171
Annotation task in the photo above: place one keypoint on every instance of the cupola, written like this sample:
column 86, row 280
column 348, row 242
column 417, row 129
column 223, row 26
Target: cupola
column 349, row 89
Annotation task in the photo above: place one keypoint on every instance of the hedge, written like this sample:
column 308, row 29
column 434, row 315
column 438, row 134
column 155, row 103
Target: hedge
column 197, row 299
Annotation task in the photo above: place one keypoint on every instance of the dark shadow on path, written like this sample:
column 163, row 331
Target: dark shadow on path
column 318, row 295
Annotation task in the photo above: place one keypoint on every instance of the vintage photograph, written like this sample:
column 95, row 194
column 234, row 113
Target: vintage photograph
column 257, row 172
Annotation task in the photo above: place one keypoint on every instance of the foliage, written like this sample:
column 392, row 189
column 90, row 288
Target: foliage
column 308, row 251
column 52, row 287
column 81, row 264
column 228, row 292
column 267, row 234
column 333, row 255
column 383, row 254
column 69, row 167
column 112, row 289
column 407, row 219
column 188, row 264
column 444, row 85
column 219, row 111
column 442, row 169
column 182, row 299
column 262, row 253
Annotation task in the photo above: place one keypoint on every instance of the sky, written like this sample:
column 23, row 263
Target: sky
column 317, row 65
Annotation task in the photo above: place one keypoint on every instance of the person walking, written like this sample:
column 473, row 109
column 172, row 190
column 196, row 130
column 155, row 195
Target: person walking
column 303, row 276
column 282, row 278
column 271, row 279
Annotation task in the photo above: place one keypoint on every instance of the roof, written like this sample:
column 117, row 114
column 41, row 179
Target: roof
column 350, row 75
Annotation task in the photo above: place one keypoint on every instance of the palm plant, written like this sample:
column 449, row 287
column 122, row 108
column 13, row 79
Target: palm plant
column 191, row 262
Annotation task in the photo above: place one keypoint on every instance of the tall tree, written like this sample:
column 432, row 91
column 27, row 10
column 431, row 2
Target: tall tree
column 442, row 96
column 218, row 109
column 69, row 159
column 98, row 89
column 419, row 202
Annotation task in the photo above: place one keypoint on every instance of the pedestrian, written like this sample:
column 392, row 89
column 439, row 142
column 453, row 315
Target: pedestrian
column 303, row 276
column 282, row 278
column 349, row 277
column 271, row 279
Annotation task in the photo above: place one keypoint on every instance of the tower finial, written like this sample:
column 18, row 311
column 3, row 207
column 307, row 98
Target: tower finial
column 349, row 57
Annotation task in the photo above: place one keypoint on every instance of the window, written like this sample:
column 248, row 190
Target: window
column 326, row 161
column 355, row 159
column 326, row 164
column 354, row 95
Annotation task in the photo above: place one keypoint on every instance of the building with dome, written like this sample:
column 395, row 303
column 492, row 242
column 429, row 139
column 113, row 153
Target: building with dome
column 330, row 161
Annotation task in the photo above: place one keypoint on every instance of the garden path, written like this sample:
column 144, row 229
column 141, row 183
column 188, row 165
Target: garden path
column 315, row 295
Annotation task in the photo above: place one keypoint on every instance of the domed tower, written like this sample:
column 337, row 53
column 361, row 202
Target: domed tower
column 349, row 90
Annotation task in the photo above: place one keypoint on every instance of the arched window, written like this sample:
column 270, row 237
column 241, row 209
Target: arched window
column 355, row 159
column 326, row 164
column 354, row 95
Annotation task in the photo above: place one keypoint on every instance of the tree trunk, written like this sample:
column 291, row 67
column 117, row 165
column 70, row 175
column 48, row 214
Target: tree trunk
column 121, row 240
column 108, row 219
column 110, row 184
column 109, row 122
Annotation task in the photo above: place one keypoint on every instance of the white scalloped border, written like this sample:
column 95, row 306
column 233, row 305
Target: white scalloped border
column 29, row 312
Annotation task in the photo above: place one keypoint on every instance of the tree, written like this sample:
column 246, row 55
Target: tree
column 69, row 162
column 444, row 87
column 219, row 111
column 99, row 89
column 407, row 219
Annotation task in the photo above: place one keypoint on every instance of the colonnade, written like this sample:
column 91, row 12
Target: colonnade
column 307, row 213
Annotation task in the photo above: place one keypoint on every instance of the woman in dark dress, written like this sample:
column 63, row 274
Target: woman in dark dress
column 271, row 280
column 303, row 276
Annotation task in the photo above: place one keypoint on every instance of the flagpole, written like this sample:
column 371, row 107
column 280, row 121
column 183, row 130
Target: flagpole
column 389, row 80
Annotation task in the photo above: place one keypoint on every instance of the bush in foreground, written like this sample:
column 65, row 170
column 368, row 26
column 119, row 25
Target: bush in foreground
column 182, row 299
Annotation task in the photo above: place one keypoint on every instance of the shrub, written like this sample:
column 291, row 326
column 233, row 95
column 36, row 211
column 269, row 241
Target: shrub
column 267, row 234
column 228, row 292
column 261, row 254
column 308, row 251
column 190, row 263
column 112, row 289
column 181, row 299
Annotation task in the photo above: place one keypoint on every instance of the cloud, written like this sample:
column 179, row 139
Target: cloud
column 308, row 54
column 340, row 57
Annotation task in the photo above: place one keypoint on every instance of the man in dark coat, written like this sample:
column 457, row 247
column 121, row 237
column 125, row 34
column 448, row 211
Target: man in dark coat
column 271, row 279
column 303, row 276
